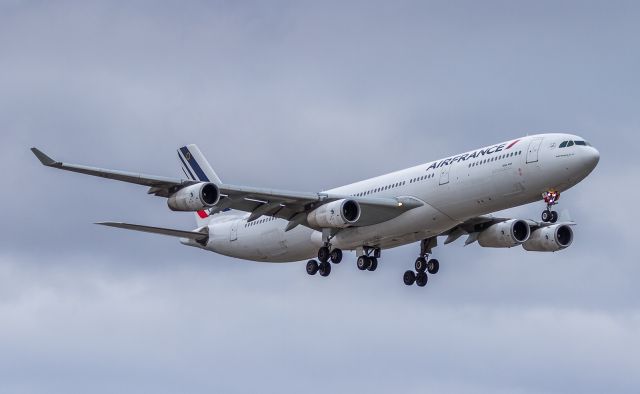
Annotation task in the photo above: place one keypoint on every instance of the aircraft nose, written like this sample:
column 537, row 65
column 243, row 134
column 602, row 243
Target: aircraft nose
column 594, row 156
column 591, row 158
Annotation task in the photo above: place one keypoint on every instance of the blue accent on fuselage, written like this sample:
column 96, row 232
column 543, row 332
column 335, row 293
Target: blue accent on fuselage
column 194, row 164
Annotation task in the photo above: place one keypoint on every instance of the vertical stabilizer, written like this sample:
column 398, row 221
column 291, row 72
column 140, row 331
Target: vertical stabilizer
column 196, row 167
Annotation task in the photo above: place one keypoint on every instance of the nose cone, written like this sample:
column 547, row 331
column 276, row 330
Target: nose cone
column 593, row 157
column 589, row 159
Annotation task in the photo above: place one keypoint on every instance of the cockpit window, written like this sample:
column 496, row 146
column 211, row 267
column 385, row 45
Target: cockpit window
column 581, row 143
column 563, row 144
column 570, row 144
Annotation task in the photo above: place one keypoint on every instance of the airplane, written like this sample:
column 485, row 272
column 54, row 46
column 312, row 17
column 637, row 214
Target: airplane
column 450, row 197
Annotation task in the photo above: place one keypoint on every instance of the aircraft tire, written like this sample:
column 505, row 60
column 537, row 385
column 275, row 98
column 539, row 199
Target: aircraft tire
column 363, row 263
column 324, row 269
column 546, row 216
column 312, row 267
column 554, row 217
column 421, row 264
column 336, row 256
column 323, row 254
column 433, row 266
column 422, row 279
column 373, row 264
column 409, row 278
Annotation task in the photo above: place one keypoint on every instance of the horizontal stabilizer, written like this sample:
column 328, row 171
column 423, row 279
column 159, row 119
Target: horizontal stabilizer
column 194, row 235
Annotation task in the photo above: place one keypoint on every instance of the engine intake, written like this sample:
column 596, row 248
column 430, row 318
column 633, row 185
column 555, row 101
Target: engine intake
column 337, row 214
column 550, row 238
column 505, row 234
column 194, row 198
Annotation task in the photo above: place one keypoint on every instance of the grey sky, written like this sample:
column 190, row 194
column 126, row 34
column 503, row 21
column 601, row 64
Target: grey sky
column 307, row 96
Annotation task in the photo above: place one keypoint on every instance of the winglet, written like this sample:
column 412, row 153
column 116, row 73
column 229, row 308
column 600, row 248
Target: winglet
column 44, row 159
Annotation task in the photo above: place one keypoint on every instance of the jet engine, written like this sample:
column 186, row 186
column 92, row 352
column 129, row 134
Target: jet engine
column 337, row 214
column 195, row 197
column 505, row 234
column 550, row 239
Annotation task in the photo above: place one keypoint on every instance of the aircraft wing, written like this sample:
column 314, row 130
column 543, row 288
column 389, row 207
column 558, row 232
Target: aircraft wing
column 289, row 205
column 160, row 186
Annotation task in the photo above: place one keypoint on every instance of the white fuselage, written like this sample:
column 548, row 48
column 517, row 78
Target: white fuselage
column 453, row 190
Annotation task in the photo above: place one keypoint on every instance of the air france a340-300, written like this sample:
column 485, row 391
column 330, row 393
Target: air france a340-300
column 451, row 198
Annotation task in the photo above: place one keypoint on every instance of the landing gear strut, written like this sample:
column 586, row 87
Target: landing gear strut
column 551, row 198
column 422, row 264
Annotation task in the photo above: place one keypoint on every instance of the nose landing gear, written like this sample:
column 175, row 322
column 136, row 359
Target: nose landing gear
column 551, row 198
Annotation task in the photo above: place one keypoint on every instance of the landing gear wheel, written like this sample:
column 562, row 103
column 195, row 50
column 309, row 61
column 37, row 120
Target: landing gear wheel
column 323, row 254
column 325, row 269
column 421, row 264
column 554, row 217
column 363, row 263
column 336, row 256
column 433, row 266
column 409, row 278
column 546, row 215
column 421, row 279
column 312, row 267
column 373, row 264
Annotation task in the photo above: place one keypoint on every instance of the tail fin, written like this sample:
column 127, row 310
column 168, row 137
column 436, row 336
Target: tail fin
column 196, row 167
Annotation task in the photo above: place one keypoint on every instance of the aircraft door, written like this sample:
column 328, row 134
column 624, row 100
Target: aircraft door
column 233, row 235
column 444, row 174
column 534, row 148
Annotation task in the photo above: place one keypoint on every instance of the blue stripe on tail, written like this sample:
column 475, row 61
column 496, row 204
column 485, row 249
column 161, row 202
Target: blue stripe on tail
column 194, row 164
column 184, row 165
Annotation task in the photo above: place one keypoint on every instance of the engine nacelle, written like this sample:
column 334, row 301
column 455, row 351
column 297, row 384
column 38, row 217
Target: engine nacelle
column 195, row 197
column 550, row 239
column 505, row 234
column 337, row 214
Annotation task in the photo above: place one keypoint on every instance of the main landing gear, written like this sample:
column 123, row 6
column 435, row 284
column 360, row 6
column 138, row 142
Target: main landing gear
column 422, row 264
column 551, row 198
column 369, row 259
column 325, row 254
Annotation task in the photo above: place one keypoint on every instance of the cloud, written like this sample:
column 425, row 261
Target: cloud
column 308, row 96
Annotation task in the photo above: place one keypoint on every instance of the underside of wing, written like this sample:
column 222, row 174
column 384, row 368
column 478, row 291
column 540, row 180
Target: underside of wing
column 476, row 225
